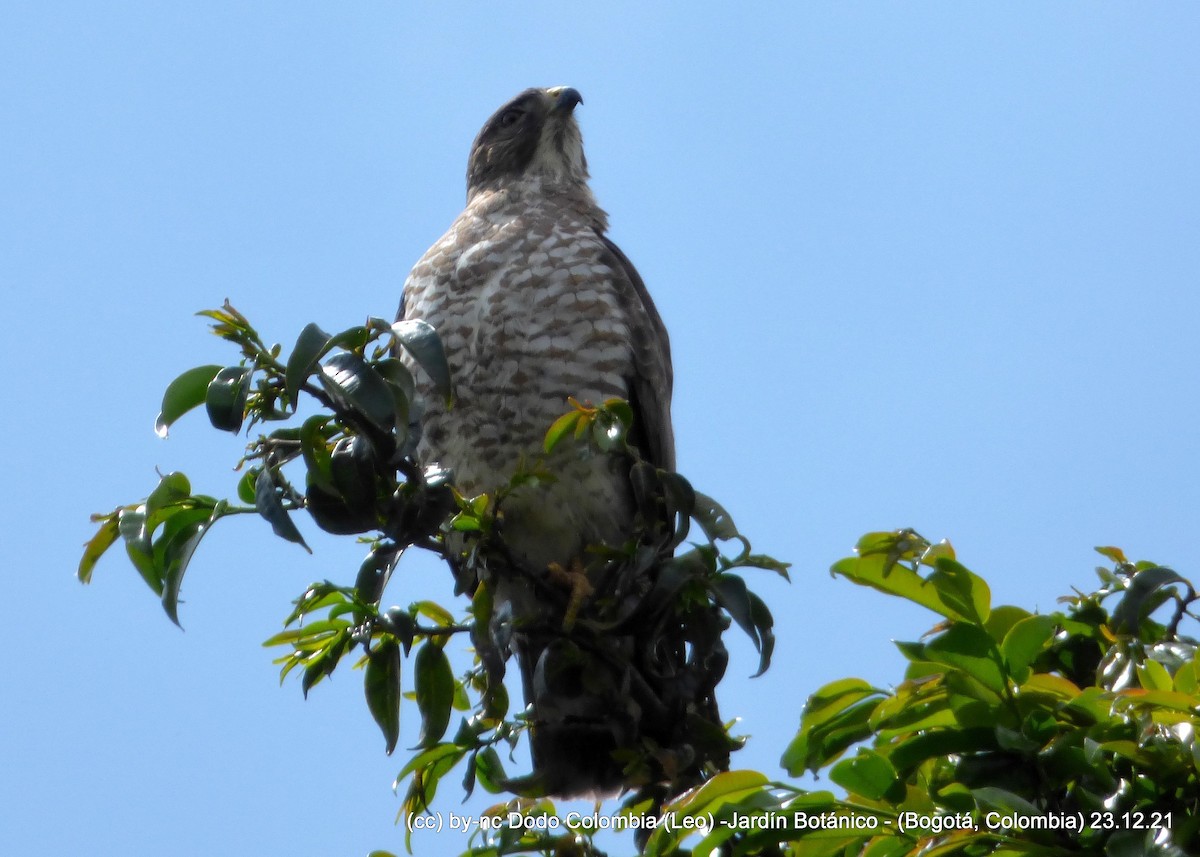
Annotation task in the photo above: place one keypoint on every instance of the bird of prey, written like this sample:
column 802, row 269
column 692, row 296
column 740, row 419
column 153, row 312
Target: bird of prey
column 535, row 304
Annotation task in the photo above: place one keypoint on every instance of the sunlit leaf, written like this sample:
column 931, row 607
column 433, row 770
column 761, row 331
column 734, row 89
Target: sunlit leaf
column 868, row 774
column 965, row 592
column 1024, row 641
column 95, row 547
column 187, row 391
column 559, row 429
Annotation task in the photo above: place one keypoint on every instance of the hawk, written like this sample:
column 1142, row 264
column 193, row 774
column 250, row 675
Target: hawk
column 535, row 304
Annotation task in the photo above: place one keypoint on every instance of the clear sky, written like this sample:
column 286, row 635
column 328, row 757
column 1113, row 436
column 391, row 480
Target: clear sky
column 923, row 264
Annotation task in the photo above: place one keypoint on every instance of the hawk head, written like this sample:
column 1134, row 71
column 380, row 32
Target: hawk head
column 533, row 136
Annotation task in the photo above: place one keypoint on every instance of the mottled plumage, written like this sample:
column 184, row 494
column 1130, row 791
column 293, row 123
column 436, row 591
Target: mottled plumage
column 534, row 304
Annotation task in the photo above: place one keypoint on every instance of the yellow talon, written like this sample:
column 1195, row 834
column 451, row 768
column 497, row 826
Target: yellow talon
column 575, row 578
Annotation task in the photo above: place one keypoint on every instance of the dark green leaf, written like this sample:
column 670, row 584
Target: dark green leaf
column 351, row 381
column 268, row 503
column 382, row 685
column 353, row 468
column 1134, row 607
column 181, row 535
column 187, row 391
column 750, row 613
column 422, row 342
column 909, row 753
column 311, row 346
column 764, row 623
column 375, row 571
column 314, row 446
column 332, row 515
column 731, row 593
column 225, row 398
column 435, row 692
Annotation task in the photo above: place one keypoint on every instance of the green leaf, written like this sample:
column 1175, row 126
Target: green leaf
column 1022, row 644
column 559, row 429
column 323, row 662
column 968, row 648
column 1138, row 601
column 880, row 571
column 868, row 774
column 351, row 381
column 713, row 519
column 353, row 468
column 171, row 489
column 433, row 611
column 435, row 692
column 322, row 628
column 181, row 536
column 719, row 789
column 907, row 754
column 1115, row 554
column 967, row 593
column 382, row 686
column 245, row 485
column 225, row 398
column 131, row 524
column 489, row 770
column 310, row 347
column 750, row 613
column 375, row 571
column 187, row 391
column 1154, row 676
column 314, row 446
column 422, row 342
column 400, row 382
column 268, row 503
column 95, row 547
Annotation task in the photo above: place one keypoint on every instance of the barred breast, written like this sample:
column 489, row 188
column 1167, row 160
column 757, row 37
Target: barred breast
column 527, row 311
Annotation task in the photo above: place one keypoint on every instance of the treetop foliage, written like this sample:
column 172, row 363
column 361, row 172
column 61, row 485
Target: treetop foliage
column 1011, row 732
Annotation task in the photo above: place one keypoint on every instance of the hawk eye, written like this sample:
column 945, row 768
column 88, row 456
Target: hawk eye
column 510, row 116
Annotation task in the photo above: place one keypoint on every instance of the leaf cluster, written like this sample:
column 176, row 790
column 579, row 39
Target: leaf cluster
column 1011, row 732
column 351, row 467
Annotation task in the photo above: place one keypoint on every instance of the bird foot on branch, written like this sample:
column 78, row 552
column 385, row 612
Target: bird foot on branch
column 576, row 580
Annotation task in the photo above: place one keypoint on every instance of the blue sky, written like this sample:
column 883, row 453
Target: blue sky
column 923, row 264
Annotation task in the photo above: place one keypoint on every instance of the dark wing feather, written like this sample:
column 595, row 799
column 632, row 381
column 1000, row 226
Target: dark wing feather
column 650, row 386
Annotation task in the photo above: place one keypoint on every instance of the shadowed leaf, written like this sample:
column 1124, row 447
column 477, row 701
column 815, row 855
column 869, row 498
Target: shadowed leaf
column 382, row 687
column 268, row 503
